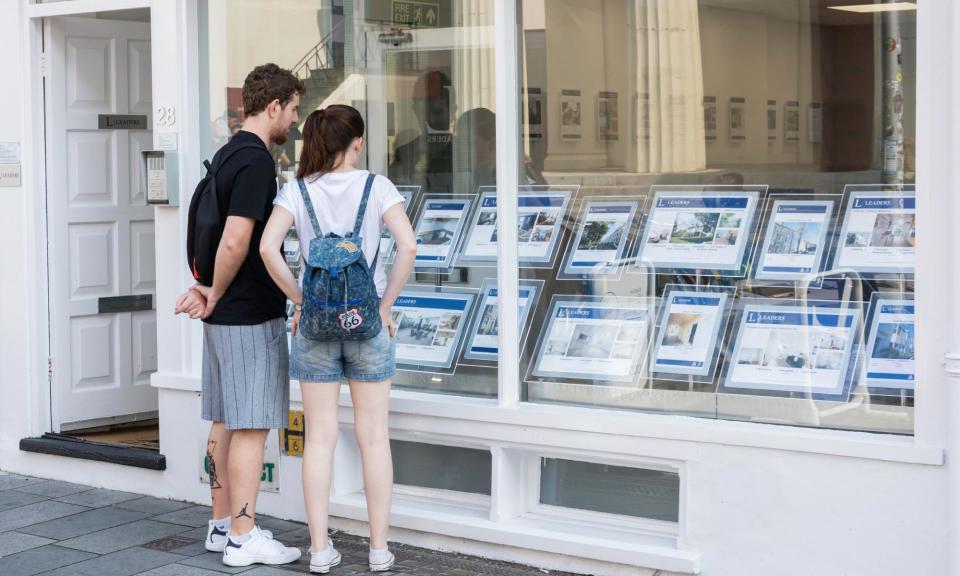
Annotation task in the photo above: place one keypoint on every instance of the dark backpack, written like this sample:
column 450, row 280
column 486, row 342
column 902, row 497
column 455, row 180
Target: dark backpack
column 207, row 218
column 340, row 300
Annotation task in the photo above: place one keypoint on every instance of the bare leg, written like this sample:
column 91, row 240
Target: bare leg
column 371, row 408
column 245, row 465
column 218, row 449
column 320, row 417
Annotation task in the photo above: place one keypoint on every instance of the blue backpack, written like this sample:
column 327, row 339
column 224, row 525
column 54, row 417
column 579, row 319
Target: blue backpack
column 340, row 300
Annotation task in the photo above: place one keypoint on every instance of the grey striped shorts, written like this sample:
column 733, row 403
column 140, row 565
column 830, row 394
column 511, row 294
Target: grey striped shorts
column 246, row 384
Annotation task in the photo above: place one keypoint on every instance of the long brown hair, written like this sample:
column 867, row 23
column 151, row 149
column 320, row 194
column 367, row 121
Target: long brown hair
column 328, row 133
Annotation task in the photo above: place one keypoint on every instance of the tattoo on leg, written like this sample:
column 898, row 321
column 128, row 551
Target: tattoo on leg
column 214, row 480
column 243, row 512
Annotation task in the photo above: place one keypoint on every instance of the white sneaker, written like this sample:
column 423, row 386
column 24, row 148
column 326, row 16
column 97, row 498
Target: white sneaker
column 322, row 562
column 381, row 560
column 217, row 538
column 259, row 549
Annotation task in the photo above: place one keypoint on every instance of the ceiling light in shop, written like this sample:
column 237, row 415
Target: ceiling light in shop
column 869, row 8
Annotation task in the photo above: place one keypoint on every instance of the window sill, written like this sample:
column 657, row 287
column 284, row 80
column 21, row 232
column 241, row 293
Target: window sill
column 885, row 447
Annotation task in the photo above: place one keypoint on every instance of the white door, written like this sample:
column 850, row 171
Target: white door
column 103, row 348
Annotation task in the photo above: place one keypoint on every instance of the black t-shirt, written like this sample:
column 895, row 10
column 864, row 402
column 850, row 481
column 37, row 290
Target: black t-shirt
column 246, row 186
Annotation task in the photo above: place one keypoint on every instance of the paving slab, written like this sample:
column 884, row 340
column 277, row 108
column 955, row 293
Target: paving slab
column 11, row 481
column 14, row 499
column 195, row 516
column 83, row 523
column 15, row 518
column 277, row 526
column 153, row 506
column 194, row 549
column 14, row 542
column 99, row 497
column 123, row 563
column 41, row 559
column 120, row 537
column 180, row 570
column 53, row 488
column 213, row 562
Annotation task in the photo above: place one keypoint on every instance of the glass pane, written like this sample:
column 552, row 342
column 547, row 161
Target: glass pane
column 729, row 159
column 441, row 467
column 611, row 489
column 422, row 76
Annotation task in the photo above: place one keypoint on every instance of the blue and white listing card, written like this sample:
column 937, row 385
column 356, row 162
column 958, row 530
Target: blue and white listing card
column 602, row 340
column 386, row 240
column 430, row 326
column 794, row 246
column 890, row 347
column 783, row 349
column 689, row 331
column 698, row 230
column 601, row 240
column 540, row 216
column 438, row 231
column 879, row 233
column 483, row 343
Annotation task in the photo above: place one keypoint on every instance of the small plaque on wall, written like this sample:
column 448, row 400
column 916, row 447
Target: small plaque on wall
column 771, row 121
column 608, row 119
column 710, row 118
column 570, row 115
column 10, row 176
column 738, row 119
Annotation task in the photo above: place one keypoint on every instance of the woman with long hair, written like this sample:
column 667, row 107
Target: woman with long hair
column 332, row 141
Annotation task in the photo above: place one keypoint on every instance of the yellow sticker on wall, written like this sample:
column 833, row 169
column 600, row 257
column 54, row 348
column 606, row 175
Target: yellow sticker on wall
column 292, row 435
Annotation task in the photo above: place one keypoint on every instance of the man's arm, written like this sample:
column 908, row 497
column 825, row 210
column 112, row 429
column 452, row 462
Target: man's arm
column 233, row 249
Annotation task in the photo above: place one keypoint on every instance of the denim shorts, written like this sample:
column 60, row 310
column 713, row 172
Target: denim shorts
column 372, row 360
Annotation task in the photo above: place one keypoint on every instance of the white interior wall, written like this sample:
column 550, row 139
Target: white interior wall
column 759, row 58
column 575, row 61
column 288, row 29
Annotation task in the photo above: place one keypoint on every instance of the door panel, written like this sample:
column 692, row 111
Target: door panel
column 139, row 76
column 101, row 230
column 94, row 342
column 91, row 260
column 142, row 258
column 89, row 74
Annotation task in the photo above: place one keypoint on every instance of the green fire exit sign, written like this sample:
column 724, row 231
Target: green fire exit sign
column 416, row 14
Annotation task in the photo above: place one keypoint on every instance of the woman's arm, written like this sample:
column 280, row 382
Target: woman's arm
column 399, row 225
column 270, row 243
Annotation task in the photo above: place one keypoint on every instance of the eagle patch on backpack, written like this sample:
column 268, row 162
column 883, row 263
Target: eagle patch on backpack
column 340, row 300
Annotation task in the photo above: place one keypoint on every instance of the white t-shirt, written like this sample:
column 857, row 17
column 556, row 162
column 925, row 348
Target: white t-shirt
column 336, row 197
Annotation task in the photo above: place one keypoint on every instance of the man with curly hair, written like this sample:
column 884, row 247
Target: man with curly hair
column 246, row 390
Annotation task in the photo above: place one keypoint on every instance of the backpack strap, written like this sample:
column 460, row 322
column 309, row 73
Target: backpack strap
column 362, row 211
column 309, row 205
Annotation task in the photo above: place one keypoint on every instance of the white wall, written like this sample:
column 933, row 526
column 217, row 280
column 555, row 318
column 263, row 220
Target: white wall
column 16, row 321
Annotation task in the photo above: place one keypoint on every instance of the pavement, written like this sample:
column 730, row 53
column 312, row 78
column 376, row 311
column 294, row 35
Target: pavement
column 60, row 529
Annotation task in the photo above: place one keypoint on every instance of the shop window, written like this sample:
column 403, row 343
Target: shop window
column 716, row 197
column 441, row 467
column 740, row 239
column 638, row 492
column 423, row 77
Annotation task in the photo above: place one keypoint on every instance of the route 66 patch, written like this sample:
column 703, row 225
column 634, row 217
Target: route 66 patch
column 351, row 319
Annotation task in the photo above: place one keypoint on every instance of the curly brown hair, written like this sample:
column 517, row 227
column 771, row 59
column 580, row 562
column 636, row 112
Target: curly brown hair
column 266, row 83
